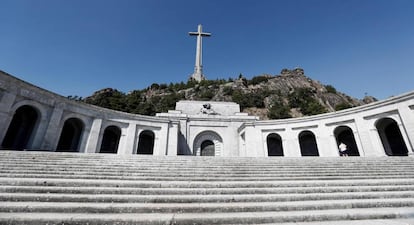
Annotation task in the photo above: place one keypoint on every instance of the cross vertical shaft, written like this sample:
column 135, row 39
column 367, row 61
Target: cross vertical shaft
column 198, row 68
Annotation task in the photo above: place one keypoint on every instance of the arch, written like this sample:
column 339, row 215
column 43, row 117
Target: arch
column 274, row 145
column 70, row 136
column 308, row 145
column 391, row 137
column 110, row 140
column 146, row 143
column 207, row 148
column 206, row 137
column 21, row 128
column 344, row 134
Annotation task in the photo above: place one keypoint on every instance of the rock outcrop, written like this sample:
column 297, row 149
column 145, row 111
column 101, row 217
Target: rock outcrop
column 288, row 94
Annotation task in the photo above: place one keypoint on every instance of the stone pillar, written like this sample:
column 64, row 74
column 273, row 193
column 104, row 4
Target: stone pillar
column 370, row 139
column 93, row 138
column 242, row 144
column 122, row 141
column 84, row 139
column 291, row 147
column 6, row 103
column 128, row 147
column 326, row 142
column 41, row 129
column 254, row 145
column 172, row 146
column 160, row 141
column 407, row 120
column 52, row 135
column 333, row 150
column 359, row 143
column 231, row 144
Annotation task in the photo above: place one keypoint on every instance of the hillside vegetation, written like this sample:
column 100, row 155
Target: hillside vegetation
column 289, row 94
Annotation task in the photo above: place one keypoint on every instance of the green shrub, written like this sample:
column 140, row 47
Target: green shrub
column 330, row 89
column 342, row 106
column 227, row 90
column 246, row 100
column 278, row 111
column 206, row 95
column 302, row 98
column 312, row 108
column 155, row 86
column 257, row 80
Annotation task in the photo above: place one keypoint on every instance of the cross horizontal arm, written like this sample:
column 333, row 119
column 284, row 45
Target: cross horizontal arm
column 202, row 34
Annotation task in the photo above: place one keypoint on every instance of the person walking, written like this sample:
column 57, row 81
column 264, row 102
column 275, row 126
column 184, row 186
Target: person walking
column 343, row 149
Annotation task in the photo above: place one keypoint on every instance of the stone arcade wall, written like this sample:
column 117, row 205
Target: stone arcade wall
column 377, row 129
column 53, row 110
column 369, row 125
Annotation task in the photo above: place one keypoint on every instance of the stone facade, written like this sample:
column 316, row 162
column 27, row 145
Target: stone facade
column 35, row 119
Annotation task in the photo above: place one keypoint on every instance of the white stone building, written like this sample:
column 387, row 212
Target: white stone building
column 32, row 118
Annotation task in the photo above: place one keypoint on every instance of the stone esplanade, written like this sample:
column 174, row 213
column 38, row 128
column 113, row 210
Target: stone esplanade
column 36, row 119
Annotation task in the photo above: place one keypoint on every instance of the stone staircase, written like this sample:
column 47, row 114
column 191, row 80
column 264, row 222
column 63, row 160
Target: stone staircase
column 74, row 188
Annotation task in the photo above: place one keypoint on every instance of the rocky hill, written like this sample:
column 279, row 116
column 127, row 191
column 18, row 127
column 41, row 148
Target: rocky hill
column 288, row 94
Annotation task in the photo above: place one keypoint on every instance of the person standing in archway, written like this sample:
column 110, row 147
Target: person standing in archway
column 343, row 149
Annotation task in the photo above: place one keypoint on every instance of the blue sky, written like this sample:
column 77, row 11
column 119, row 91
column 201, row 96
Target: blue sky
column 77, row 47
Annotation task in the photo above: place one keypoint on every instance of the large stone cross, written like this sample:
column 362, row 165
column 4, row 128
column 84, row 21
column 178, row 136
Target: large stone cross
column 198, row 69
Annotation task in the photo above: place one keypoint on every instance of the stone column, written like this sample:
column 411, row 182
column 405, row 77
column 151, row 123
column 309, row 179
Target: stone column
column 359, row 143
column 322, row 142
column 333, row 148
column 254, row 145
column 52, row 135
column 41, row 128
column 370, row 139
column 160, row 141
column 407, row 119
column 128, row 147
column 290, row 141
column 6, row 103
column 325, row 139
column 122, row 141
column 172, row 146
column 242, row 144
column 93, row 138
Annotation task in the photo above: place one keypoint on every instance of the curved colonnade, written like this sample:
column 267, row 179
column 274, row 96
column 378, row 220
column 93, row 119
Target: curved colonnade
column 36, row 119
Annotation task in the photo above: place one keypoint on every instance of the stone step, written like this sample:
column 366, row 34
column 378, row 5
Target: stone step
column 82, row 207
column 33, row 156
column 199, row 191
column 183, row 165
column 216, row 171
column 205, row 178
column 349, row 222
column 206, row 173
column 205, row 218
column 201, row 184
column 72, row 188
column 196, row 160
column 216, row 168
column 13, row 153
column 203, row 173
column 62, row 197
column 240, row 169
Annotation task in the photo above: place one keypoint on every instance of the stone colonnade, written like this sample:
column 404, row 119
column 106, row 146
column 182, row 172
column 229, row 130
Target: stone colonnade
column 379, row 129
column 32, row 118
